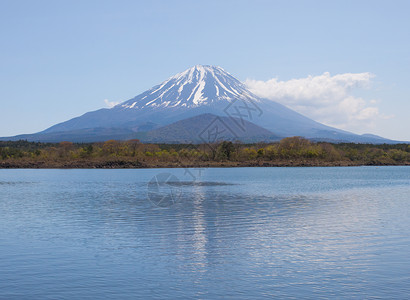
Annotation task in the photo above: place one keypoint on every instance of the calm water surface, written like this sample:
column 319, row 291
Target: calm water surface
column 243, row 233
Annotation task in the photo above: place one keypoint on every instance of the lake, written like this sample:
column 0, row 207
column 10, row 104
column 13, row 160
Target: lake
column 233, row 233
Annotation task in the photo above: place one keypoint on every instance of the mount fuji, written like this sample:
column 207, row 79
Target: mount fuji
column 187, row 104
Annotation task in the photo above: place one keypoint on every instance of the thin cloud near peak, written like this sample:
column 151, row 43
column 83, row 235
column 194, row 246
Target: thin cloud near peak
column 110, row 104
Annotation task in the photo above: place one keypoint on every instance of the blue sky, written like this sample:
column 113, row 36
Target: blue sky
column 60, row 59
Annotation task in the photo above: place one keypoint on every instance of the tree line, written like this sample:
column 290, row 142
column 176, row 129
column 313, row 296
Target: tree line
column 295, row 150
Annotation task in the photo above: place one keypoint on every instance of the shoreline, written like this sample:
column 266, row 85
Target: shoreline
column 123, row 164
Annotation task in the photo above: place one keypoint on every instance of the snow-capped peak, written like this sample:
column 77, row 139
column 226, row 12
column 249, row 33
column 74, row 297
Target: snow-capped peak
column 198, row 85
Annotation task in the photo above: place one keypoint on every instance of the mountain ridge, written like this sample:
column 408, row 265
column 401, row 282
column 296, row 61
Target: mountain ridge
column 208, row 129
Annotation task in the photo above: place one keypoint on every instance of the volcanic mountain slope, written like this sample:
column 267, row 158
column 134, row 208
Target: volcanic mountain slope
column 196, row 91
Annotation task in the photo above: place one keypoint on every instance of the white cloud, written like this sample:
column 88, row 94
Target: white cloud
column 324, row 98
column 110, row 104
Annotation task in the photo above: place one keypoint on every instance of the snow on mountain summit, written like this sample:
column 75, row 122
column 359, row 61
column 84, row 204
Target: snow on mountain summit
column 196, row 86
